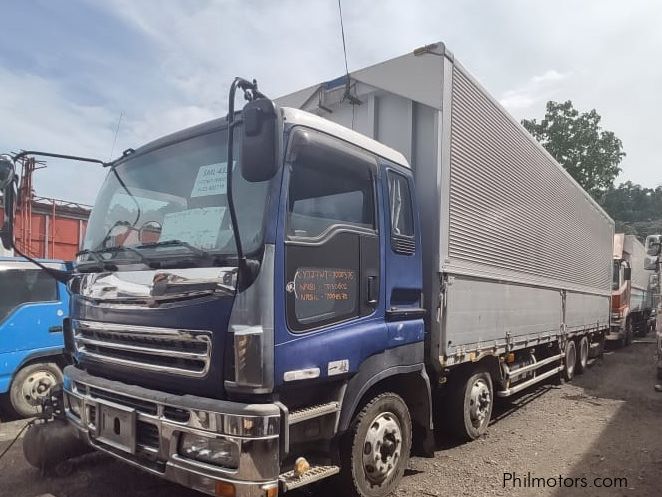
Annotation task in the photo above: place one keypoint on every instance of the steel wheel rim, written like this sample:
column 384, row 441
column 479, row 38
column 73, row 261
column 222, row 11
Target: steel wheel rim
column 583, row 352
column 37, row 386
column 570, row 359
column 480, row 400
column 382, row 447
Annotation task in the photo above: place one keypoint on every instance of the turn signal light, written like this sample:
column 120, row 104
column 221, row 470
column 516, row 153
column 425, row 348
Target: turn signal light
column 271, row 491
column 225, row 489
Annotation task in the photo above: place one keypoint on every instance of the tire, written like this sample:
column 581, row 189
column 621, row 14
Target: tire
column 32, row 383
column 375, row 451
column 570, row 361
column 470, row 402
column 583, row 348
column 629, row 332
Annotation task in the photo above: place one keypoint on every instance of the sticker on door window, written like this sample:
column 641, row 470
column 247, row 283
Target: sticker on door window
column 323, row 293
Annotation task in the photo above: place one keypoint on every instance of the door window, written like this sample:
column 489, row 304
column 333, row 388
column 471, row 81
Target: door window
column 19, row 286
column 402, row 218
column 331, row 210
column 321, row 197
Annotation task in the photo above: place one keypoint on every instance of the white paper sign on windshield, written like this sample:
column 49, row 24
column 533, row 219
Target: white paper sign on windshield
column 199, row 227
column 211, row 180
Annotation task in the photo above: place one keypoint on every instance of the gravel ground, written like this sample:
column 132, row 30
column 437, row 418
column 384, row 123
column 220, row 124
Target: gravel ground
column 606, row 424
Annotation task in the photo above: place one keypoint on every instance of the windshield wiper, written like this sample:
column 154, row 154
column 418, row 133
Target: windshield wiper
column 175, row 243
column 109, row 265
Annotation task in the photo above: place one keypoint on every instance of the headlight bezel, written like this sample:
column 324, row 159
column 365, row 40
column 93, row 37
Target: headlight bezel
column 207, row 449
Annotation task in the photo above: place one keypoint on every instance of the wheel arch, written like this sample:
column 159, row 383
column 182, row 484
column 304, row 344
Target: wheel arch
column 409, row 382
column 57, row 356
column 487, row 362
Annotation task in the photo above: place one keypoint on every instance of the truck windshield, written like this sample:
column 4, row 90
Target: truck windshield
column 171, row 203
column 616, row 276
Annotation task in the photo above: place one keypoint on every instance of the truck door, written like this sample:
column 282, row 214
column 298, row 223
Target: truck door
column 334, row 310
column 404, row 283
column 31, row 312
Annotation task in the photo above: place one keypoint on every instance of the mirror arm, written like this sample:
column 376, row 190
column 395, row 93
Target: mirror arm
column 250, row 93
column 25, row 153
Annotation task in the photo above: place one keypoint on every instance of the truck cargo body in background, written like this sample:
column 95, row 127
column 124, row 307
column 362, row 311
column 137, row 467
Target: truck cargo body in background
column 50, row 228
column 653, row 263
column 632, row 293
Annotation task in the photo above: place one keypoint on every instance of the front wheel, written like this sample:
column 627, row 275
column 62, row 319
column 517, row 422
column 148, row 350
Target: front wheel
column 32, row 384
column 375, row 453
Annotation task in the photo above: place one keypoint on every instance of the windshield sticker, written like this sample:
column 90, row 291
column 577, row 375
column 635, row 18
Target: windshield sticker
column 199, row 227
column 211, row 180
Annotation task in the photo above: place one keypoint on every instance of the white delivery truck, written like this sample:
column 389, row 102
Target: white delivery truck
column 632, row 309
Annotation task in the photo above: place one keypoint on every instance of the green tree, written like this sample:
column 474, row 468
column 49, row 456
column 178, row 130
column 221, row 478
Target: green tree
column 590, row 154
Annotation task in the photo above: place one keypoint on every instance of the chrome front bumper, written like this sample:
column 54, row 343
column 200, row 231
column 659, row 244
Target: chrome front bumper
column 616, row 329
column 157, row 422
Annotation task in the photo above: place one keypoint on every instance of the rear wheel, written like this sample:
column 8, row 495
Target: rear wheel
column 32, row 384
column 629, row 334
column 375, row 453
column 470, row 405
column 582, row 346
column 570, row 361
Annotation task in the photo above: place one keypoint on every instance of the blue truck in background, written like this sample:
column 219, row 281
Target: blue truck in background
column 32, row 309
column 306, row 288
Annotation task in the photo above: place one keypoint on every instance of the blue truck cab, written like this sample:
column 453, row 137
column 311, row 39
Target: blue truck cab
column 222, row 370
column 32, row 309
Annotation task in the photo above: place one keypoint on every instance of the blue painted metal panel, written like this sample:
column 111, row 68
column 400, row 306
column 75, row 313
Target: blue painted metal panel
column 404, row 273
column 31, row 330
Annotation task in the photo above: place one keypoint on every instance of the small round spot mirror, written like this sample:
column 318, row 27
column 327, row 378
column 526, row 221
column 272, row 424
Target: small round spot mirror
column 150, row 232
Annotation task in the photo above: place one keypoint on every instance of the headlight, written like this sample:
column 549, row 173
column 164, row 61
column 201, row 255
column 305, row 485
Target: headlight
column 216, row 451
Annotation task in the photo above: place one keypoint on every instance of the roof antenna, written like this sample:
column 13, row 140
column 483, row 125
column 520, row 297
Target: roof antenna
column 117, row 130
column 347, row 96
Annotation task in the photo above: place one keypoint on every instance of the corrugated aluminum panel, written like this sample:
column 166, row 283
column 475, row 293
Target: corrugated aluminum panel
column 514, row 212
column 485, row 312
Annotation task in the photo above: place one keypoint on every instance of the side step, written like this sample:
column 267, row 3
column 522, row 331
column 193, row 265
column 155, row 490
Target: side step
column 288, row 481
column 313, row 412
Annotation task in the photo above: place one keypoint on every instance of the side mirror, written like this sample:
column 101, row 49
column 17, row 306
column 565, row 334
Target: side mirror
column 258, row 146
column 653, row 245
column 8, row 189
column 627, row 273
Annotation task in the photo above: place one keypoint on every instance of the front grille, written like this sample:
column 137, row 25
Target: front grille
column 176, row 414
column 185, row 352
column 147, row 435
column 144, row 406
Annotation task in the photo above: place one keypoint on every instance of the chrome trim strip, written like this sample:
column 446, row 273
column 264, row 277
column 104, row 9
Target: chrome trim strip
column 143, row 350
column 152, row 349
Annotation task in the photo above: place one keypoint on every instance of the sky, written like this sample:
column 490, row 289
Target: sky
column 69, row 70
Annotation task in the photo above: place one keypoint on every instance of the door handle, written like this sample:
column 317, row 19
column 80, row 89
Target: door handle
column 55, row 329
column 373, row 290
